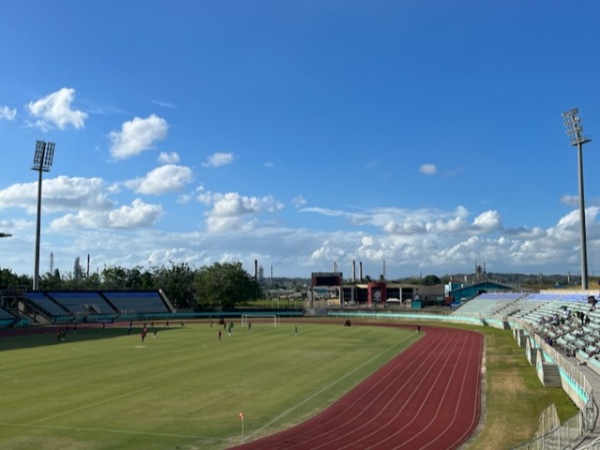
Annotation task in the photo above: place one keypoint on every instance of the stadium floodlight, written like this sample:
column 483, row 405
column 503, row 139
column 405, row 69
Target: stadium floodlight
column 575, row 133
column 5, row 235
column 42, row 161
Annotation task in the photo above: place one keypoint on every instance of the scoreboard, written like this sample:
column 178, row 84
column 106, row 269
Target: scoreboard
column 327, row 279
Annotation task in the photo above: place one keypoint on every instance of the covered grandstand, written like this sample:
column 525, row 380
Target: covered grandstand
column 53, row 307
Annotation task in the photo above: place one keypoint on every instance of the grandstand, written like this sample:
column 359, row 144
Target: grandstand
column 561, row 332
column 132, row 302
column 7, row 318
column 93, row 306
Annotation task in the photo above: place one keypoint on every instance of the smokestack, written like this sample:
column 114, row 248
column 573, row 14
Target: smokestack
column 360, row 274
column 353, row 271
column 256, row 270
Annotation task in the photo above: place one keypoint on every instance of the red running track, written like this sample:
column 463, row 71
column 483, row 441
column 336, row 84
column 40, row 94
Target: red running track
column 428, row 397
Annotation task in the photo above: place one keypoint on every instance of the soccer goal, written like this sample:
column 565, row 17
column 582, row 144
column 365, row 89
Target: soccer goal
column 248, row 319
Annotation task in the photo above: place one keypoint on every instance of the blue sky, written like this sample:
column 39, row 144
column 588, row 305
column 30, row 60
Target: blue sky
column 301, row 134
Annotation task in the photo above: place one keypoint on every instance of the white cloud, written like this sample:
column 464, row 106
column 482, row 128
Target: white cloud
column 168, row 158
column 219, row 159
column 84, row 218
column 55, row 110
column 299, row 201
column 164, row 104
column 83, row 202
column 7, row 113
column 487, row 222
column 428, row 169
column 570, row 200
column 400, row 221
column 59, row 194
column 163, row 179
column 232, row 211
column 136, row 215
column 137, row 136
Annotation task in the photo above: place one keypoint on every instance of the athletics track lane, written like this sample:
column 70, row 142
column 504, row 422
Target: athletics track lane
column 428, row 397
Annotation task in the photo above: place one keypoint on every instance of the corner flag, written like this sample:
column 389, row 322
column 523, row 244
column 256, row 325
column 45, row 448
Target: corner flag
column 242, row 419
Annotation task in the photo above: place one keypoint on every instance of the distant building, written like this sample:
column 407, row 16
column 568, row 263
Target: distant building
column 457, row 292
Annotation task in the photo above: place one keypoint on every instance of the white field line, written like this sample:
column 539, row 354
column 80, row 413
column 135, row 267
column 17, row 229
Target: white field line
column 89, row 405
column 109, row 430
column 325, row 388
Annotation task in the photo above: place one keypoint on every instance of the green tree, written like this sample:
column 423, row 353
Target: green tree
column 431, row 280
column 225, row 285
column 177, row 282
column 9, row 279
column 114, row 278
column 51, row 280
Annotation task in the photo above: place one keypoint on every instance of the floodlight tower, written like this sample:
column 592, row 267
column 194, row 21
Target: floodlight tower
column 574, row 131
column 42, row 161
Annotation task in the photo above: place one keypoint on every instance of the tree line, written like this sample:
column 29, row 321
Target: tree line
column 222, row 285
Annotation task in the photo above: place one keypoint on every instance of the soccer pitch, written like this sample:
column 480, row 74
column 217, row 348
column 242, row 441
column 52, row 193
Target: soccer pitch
column 184, row 388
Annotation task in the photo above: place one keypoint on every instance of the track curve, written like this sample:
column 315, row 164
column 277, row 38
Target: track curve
column 427, row 397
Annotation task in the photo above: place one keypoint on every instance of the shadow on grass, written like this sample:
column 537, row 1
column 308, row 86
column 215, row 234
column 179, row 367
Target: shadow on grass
column 21, row 338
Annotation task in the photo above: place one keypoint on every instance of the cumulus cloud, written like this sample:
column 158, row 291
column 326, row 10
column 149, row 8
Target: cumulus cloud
column 487, row 222
column 55, row 110
column 232, row 211
column 428, row 169
column 219, row 159
column 136, row 215
column 137, row 135
column 168, row 158
column 7, row 113
column 163, row 179
column 60, row 194
column 399, row 221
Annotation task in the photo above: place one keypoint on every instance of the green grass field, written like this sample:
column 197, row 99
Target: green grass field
column 103, row 389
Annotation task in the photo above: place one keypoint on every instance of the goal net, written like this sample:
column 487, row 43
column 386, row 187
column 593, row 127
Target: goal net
column 249, row 319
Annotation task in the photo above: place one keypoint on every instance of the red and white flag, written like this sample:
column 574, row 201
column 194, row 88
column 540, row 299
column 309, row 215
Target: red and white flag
column 241, row 416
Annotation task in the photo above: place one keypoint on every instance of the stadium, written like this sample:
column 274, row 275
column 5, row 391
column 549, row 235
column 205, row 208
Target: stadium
column 124, row 369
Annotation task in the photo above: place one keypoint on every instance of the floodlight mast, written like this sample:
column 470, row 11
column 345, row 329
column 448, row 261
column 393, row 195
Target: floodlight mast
column 42, row 161
column 574, row 131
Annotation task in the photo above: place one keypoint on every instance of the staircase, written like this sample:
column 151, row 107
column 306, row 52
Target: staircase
column 551, row 375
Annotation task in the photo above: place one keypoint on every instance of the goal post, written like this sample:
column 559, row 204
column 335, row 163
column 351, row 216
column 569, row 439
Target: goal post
column 246, row 318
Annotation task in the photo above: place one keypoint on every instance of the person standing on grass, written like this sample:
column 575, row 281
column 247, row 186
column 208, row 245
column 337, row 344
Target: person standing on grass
column 219, row 335
column 418, row 328
column 144, row 332
column 296, row 330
